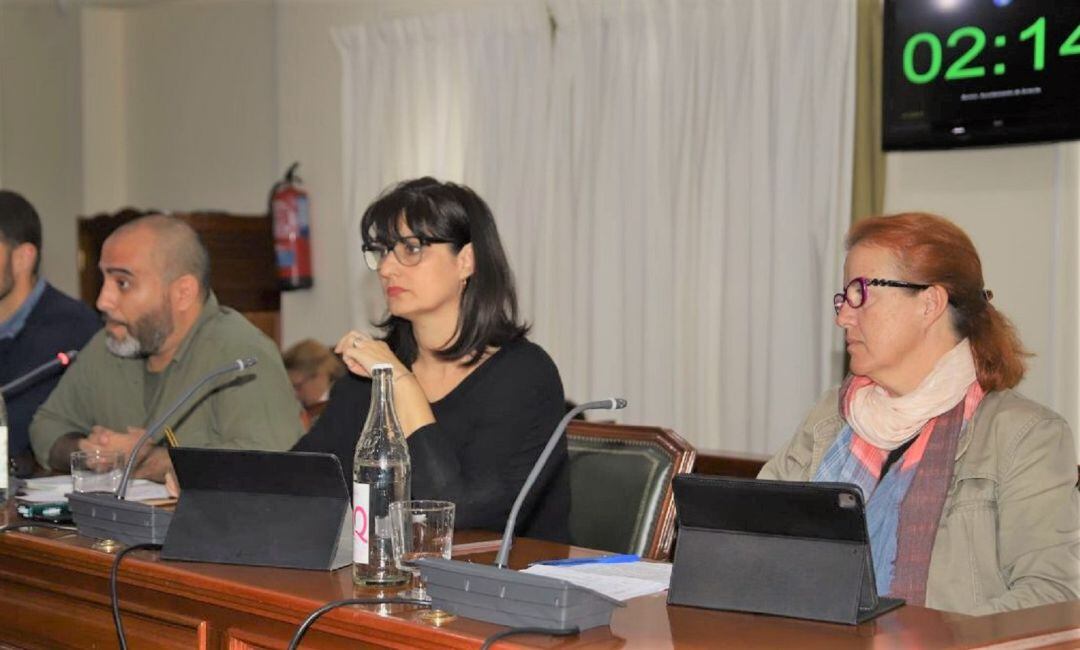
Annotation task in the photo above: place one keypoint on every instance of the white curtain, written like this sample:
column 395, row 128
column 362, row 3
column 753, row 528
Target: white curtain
column 461, row 96
column 672, row 182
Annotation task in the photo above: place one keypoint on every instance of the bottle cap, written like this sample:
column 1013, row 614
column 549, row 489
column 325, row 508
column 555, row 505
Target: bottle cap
column 381, row 366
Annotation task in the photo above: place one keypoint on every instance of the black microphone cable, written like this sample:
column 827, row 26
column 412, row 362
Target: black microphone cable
column 314, row 616
column 514, row 631
column 294, row 644
column 114, row 597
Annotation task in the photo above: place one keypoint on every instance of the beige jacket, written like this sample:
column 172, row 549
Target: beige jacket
column 1009, row 535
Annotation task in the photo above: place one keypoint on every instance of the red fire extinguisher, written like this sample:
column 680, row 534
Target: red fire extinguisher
column 289, row 209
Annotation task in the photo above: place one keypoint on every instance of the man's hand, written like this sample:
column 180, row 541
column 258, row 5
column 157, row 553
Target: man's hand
column 171, row 484
column 104, row 439
column 155, row 464
column 153, row 461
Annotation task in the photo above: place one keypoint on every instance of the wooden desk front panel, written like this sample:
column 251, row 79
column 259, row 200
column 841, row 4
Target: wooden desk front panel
column 54, row 594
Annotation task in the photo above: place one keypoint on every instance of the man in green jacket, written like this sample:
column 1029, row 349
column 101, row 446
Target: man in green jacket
column 164, row 331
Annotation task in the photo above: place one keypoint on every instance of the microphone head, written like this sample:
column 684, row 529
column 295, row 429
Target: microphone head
column 617, row 403
column 244, row 364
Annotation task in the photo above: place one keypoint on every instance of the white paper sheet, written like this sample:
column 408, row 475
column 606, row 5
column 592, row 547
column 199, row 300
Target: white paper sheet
column 621, row 581
column 54, row 489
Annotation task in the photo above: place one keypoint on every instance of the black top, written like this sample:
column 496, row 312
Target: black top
column 488, row 433
column 894, row 455
column 57, row 323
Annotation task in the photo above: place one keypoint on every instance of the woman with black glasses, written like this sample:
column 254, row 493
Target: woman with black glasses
column 476, row 400
column 970, row 488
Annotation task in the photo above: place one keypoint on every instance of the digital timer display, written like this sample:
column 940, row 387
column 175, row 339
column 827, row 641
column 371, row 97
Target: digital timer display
column 980, row 72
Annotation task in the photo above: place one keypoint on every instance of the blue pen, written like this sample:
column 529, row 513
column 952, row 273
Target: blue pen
column 600, row 559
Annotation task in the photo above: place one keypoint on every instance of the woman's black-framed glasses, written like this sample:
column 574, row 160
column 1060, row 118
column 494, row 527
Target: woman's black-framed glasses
column 854, row 293
column 408, row 250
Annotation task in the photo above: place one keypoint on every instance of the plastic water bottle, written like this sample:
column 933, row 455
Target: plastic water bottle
column 5, row 464
column 381, row 475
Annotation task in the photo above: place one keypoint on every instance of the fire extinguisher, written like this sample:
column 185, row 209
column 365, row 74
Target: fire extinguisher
column 289, row 210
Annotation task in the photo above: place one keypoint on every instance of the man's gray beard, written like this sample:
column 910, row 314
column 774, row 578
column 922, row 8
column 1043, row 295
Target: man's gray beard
column 145, row 336
column 129, row 348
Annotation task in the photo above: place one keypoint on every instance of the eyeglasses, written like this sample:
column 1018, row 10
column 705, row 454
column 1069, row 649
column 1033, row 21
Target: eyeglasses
column 854, row 293
column 408, row 250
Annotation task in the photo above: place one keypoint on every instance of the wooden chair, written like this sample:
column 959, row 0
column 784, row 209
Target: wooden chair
column 242, row 267
column 620, row 486
column 728, row 463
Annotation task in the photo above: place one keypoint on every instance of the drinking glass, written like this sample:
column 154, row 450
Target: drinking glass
column 96, row 471
column 419, row 529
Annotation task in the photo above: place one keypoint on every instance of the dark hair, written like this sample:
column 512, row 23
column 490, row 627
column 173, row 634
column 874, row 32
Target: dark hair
column 933, row 250
column 489, row 312
column 19, row 223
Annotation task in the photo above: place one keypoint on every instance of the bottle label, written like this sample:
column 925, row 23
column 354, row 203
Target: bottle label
column 361, row 506
column 3, row 458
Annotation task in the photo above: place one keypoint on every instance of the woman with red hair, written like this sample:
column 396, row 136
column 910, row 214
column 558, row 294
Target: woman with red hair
column 970, row 488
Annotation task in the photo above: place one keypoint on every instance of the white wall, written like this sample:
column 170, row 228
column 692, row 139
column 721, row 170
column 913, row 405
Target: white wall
column 309, row 131
column 41, row 127
column 104, row 107
column 202, row 105
column 1019, row 205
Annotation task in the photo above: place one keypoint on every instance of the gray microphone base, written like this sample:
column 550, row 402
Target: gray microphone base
column 507, row 597
column 101, row 515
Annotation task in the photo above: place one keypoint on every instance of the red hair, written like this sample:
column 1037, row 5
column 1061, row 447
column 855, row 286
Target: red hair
column 933, row 250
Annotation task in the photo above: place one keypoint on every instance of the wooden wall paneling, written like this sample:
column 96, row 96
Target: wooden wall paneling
column 243, row 272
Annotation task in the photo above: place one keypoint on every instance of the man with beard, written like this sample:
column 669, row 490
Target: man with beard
column 164, row 331
column 36, row 322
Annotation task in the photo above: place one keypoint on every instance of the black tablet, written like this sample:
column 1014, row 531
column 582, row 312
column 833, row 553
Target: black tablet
column 774, row 547
column 267, row 508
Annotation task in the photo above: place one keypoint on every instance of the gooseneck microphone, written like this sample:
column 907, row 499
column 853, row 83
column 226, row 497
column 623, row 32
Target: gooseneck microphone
column 108, row 515
column 61, row 360
column 613, row 404
column 499, row 595
column 152, row 430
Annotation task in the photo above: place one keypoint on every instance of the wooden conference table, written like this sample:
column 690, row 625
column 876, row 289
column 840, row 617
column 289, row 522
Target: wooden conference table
column 54, row 594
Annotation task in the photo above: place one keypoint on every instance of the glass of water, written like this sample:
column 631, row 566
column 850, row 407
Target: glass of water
column 420, row 529
column 96, row 471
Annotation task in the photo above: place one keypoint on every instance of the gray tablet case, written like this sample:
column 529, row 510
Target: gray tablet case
column 281, row 509
column 101, row 515
column 774, row 547
column 512, row 598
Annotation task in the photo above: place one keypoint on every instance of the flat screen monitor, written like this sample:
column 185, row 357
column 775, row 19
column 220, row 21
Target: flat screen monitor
column 963, row 73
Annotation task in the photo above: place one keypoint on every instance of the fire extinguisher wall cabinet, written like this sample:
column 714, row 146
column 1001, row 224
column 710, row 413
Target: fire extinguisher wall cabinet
column 290, row 212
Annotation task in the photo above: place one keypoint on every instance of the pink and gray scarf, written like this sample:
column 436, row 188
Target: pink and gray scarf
column 903, row 508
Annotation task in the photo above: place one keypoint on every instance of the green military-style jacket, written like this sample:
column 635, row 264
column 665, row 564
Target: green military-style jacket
column 1009, row 535
column 253, row 409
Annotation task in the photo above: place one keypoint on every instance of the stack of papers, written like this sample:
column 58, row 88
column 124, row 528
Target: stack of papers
column 54, row 489
column 621, row 581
